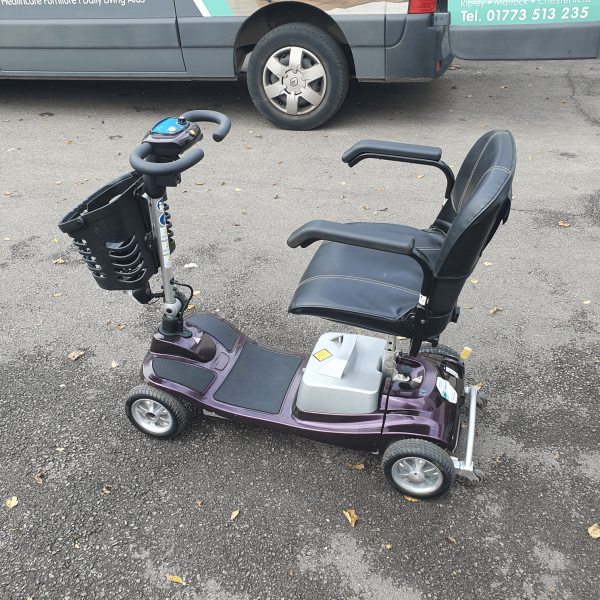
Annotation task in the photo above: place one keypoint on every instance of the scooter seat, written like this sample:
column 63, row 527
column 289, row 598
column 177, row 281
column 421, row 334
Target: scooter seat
column 365, row 287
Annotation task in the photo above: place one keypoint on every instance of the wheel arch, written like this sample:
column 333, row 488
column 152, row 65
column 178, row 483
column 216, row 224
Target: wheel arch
column 274, row 15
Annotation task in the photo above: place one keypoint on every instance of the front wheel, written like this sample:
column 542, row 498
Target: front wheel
column 298, row 76
column 418, row 468
column 155, row 412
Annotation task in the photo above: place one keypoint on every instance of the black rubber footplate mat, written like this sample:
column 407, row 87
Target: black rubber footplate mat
column 220, row 331
column 259, row 379
column 195, row 378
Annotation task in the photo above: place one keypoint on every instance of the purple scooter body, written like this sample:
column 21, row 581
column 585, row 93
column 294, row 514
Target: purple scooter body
column 419, row 413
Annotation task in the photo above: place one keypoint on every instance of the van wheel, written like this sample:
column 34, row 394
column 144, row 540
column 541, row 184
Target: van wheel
column 298, row 76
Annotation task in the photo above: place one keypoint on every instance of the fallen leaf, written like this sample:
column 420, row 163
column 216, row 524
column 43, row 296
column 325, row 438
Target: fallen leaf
column 238, row 189
column 236, row 224
column 190, row 306
column 199, row 182
column 450, row 539
column 55, row 240
column 38, row 478
column 380, row 189
column 467, row 307
column 420, row 176
column 275, row 197
column 556, row 455
column 494, row 310
column 342, row 197
column 342, row 183
column 243, row 212
column 77, row 546
column 7, row 239
column 198, row 503
column 351, row 516
column 383, row 209
column 586, row 301
column 114, row 364
column 366, row 207
column 12, row 502
column 411, row 499
column 68, row 143
column 479, row 386
column 388, row 546
column 359, row 467
column 234, row 514
column 120, row 326
column 594, row 530
column 7, row 193
column 375, row 212
column 488, row 264
column 175, row 579
column 60, row 449
column 57, row 182
column 279, row 162
column 106, row 488
column 75, row 355
column 58, row 261
column 196, row 293
column 291, row 572
column 468, row 96
column 473, row 280
column 563, row 101
column 563, row 224
column 248, row 147
column 503, row 87
column 58, row 294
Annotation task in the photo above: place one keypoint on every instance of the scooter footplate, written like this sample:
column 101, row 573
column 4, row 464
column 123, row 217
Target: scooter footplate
column 191, row 376
column 223, row 333
column 259, row 380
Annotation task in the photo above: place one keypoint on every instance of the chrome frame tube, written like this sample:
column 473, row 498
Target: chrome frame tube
column 465, row 467
column 171, row 305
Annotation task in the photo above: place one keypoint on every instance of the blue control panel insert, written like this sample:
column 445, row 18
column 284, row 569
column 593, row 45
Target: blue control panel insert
column 169, row 126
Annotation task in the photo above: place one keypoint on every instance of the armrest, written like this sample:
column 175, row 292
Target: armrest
column 408, row 153
column 392, row 149
column 351, row 234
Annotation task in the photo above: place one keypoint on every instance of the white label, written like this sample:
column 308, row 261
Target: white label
column 163, row 234
column 167, row 261
column 446, row 390
column 165, row 246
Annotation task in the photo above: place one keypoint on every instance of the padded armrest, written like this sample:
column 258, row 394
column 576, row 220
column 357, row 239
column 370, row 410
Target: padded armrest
column 392, row 149
column 352, row 234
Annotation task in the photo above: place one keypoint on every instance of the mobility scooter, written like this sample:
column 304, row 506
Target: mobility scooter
column 354, row 391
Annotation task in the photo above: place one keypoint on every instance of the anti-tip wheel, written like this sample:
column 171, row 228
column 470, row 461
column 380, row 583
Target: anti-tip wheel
column 156, row 413
column 480, row 476
column 418, row 468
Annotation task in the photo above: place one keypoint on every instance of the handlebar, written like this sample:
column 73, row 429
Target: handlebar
column 160, row 169
column 212, row 117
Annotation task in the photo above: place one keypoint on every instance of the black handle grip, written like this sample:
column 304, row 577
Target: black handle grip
column 160, row 169
column 212, row 117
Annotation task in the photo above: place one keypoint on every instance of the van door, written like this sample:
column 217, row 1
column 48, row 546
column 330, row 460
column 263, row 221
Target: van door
column 89, row 38
column 524, row 29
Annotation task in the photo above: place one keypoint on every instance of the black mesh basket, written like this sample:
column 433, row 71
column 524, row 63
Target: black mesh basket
column 109, row 229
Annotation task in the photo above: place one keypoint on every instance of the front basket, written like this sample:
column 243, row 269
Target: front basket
column 111, row 230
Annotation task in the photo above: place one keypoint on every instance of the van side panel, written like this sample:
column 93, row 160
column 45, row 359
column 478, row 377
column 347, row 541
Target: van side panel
column 103, row 40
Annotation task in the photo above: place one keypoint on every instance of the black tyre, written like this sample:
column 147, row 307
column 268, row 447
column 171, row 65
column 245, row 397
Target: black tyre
column 439, row 349
column 155, row 412
column 418, row 468
column 298, row 76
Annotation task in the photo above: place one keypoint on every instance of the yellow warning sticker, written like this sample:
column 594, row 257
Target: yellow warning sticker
column 322, row 354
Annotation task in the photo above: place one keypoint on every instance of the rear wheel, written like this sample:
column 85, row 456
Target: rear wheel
column 298, row 76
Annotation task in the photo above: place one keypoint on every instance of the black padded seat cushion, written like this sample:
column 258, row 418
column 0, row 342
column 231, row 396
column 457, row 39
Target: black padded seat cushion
column 364, row 287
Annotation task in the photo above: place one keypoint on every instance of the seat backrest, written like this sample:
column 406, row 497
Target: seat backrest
column 480, row 200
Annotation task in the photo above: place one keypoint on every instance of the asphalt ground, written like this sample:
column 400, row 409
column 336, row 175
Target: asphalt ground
column 522, row 534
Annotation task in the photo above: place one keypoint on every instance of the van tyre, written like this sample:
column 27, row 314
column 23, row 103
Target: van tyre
column 418, row 468
column 156, row 413
column 298, row 76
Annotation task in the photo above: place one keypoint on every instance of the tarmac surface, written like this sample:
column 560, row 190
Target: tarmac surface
column 522, row 534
